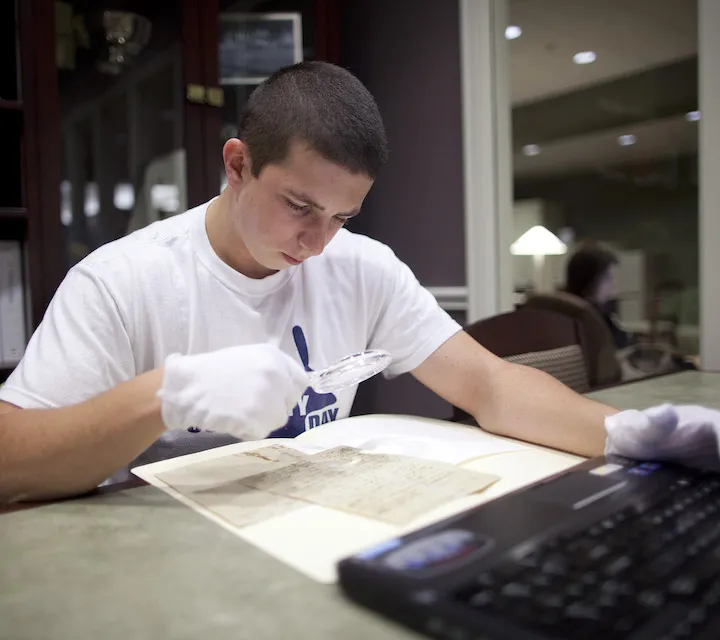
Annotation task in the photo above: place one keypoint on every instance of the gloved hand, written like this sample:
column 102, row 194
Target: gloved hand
column 245, row 391
column 686, row 434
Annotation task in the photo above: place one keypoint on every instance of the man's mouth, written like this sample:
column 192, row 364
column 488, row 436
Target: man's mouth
column 290, row 259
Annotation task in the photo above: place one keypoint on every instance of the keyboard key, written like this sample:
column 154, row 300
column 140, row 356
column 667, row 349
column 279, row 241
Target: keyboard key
column 665, row 564
column 582, row 611
column 617, row 587
column 540, row 580
column 697, row 615
column 581, row 546
column 651, row 599
column 516, row 590
column 598, row 552
column 683, row 586
column 607, row 600
column 556, row 564
column 618, row 565
column 482, row 599
column 575, row 590
column 551, row 600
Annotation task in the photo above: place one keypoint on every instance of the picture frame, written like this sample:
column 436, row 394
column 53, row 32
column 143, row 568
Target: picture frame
column 252, row 46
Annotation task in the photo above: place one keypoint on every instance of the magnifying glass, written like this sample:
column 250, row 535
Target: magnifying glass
column 349, row 371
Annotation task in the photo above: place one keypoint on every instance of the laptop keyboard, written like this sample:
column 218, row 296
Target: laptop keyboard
column 649, row 571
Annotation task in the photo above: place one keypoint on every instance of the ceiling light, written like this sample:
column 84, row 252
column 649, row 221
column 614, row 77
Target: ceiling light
column 627, row 140
column 531, row 149
column 692, row 116
column 584, row 57
column 512, row 32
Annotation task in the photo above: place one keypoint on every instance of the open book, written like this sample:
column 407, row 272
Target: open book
column 339, row 488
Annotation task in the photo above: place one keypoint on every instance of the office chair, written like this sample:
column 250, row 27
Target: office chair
column 595, row 336
column 539, row 338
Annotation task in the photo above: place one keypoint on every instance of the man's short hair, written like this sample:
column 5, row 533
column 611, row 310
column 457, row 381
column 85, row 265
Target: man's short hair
column 322, row 105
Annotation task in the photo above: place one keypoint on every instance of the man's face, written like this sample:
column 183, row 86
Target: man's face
column 293, row 209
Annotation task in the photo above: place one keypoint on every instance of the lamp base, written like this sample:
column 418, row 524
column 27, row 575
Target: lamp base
column 539, row 273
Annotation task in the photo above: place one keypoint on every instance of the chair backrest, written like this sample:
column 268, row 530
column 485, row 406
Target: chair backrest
column 538, row 338
column 595, row 335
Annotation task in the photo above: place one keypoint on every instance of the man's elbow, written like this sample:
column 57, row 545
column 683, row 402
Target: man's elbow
column 21, row 480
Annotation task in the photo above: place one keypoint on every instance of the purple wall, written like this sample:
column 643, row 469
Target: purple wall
column 407, row 52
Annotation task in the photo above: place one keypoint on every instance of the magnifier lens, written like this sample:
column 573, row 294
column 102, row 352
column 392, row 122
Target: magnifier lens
column 350, row 371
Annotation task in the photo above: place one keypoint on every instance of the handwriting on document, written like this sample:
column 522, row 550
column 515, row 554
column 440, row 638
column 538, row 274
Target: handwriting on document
column 392, row 488
column 216, row 485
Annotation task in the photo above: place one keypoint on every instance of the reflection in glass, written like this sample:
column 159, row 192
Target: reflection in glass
column 122, row 100
column 607, row 151
column 256, row 39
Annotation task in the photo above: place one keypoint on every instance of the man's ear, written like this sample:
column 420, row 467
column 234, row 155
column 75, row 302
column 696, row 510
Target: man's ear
column 236, row 157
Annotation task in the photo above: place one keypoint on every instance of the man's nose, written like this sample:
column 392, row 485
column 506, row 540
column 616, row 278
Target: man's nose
column 314, row 236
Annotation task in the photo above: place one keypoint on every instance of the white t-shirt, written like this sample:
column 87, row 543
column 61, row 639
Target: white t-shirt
column 160, row 290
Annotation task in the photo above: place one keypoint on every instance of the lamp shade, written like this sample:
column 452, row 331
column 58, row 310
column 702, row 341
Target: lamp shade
column 538, row 241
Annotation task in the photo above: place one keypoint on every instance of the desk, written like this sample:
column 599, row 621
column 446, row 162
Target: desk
column 137, row 564
column 686, row 387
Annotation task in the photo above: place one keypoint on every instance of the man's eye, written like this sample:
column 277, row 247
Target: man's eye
column 297, row 207
column 342, row 220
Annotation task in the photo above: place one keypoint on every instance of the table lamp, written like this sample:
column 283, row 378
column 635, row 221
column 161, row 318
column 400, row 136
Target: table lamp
column 538, row 242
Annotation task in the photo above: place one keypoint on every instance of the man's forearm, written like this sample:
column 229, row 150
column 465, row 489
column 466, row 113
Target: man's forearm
column 524, row 403
column 48, row 453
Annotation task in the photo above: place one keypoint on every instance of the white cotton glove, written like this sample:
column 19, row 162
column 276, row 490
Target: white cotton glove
column 685, row 434
column 245, row 391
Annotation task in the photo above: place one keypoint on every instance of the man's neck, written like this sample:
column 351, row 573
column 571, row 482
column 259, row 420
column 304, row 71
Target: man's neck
column 227, row 243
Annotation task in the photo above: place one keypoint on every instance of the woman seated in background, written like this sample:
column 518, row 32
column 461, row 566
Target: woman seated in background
column 591, row 274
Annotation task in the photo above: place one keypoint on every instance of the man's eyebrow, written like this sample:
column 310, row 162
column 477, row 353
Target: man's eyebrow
column 304, row 198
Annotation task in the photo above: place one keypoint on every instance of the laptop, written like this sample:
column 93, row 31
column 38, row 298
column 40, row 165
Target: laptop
column 611, row 548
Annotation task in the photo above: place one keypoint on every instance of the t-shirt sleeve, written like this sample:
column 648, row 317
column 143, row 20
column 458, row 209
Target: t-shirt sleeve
column 409, row 323
column 80, row 349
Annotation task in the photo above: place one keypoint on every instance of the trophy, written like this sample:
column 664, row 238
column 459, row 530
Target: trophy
column 126, row 34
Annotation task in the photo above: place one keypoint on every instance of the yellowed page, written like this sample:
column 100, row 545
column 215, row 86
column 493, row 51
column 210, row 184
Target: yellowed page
column 390, row 488
column 322, row 536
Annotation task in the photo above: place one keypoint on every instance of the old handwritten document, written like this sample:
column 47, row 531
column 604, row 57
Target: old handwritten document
column 256, row 485
column 336, row 490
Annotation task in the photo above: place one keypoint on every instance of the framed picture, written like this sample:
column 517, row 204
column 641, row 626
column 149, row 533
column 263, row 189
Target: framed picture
column 255, row 45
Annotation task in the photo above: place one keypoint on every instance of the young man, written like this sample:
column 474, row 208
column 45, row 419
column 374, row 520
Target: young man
column 199, row 330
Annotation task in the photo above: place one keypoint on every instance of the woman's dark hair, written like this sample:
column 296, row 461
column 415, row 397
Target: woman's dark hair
column 322, row 105
column 586, row 268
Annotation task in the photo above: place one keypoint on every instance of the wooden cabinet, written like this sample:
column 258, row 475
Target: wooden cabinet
column 30, row 147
